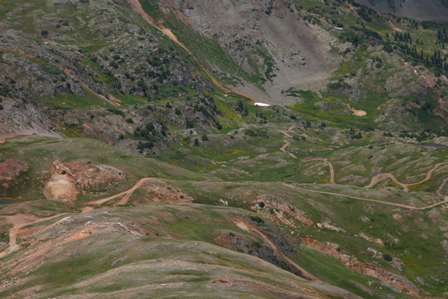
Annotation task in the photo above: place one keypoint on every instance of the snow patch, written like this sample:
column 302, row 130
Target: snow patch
column 259, row 104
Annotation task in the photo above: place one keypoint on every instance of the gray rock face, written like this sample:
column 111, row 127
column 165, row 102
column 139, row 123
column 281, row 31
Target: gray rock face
column 19, row 117
column 267, row 39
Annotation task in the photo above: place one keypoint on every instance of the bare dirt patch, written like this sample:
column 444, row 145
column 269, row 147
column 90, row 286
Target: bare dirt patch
column 301, row 53
column 61, row 188
column 358, row 113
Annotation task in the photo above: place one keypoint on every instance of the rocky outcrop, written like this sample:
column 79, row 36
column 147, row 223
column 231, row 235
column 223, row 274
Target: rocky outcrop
column 61, row 188
column 68, row 180
column 283, row 212
column 266, row 39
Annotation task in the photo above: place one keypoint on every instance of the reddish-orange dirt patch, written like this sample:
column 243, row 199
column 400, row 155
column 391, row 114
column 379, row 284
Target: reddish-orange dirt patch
column 68, row 180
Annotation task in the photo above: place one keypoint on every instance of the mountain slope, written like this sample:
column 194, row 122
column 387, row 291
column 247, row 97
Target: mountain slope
column 435, row 10
column 271, row 46
column 116, row 254
column 139, row 155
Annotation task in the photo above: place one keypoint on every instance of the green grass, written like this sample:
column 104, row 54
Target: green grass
column 353, row 65
column 152, row 8
column 129, row 100
column 73, row 269
column 337, row 112
column 331, row 270
column 72, row 149
column 70, row 101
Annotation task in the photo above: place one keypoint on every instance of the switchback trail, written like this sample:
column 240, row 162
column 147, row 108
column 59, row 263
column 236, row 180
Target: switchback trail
column 381, row 202
column 381, row 177
column 406, row 186
column 137, row 7
column 287, row 143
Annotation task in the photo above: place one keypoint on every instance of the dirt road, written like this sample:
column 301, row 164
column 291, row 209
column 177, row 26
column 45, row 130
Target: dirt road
column 381, row 177
column 125, row 195
column 406, row 186
column 375, row 201
column 287, row 143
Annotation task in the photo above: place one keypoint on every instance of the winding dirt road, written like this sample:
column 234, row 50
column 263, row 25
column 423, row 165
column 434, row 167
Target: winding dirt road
column 287, row 143
column 381, row 202
column 406, row 186
column 125, row 195
column 381, row 177
column 22, row 221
